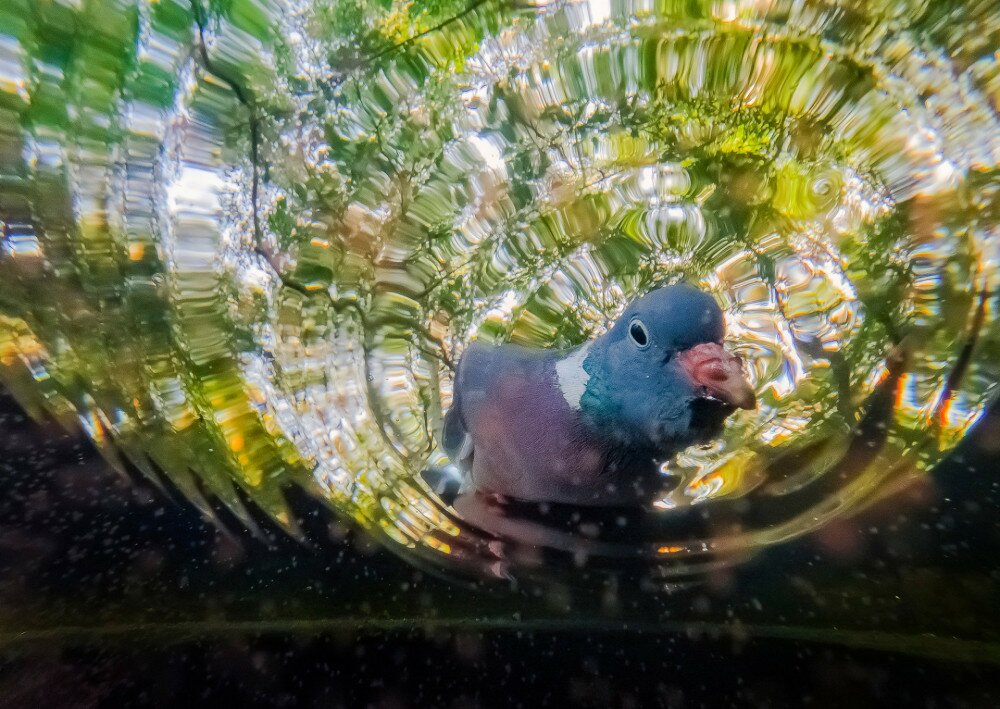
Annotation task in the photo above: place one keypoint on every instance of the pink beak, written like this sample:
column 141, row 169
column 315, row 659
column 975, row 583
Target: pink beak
column 719, row 373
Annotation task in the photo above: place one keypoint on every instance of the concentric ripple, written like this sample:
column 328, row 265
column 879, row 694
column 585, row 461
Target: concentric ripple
column 245, row 243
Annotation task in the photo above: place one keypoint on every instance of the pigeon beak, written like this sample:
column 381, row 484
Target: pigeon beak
column 719, row 374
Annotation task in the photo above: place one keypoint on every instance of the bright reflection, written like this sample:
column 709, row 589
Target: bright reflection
column 253, row 252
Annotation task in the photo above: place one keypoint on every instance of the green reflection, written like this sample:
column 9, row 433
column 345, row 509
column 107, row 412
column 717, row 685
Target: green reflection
column 244, row 243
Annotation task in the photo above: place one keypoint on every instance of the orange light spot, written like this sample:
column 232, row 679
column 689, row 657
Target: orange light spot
column 944, row 409
column 901, row 391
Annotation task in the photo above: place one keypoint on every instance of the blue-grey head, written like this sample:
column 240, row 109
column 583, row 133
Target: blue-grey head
column 660, row 378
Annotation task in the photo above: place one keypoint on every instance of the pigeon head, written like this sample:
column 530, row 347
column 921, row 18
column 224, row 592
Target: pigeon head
column 660, row 378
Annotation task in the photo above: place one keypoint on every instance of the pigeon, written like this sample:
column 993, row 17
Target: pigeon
column 592, row 425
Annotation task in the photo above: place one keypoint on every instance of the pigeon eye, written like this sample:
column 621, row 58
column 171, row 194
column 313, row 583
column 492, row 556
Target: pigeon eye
column 639, row 334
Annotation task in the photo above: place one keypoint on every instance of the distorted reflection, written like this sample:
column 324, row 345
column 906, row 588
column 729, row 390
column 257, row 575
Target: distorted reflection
column 255, row 245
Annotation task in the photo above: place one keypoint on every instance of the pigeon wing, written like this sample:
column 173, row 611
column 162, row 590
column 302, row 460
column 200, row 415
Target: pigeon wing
column 472, row 379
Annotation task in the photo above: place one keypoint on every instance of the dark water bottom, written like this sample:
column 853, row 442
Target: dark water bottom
column 111, row 594
column 469, row 669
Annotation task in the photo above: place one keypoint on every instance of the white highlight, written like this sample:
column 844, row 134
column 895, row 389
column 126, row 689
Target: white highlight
column 572, row 376
column 600, row 11
column 195, row 190
column 465, row 452
column 490, row 153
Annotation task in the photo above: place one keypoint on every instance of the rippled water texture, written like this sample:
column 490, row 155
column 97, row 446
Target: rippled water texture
column 244, row 242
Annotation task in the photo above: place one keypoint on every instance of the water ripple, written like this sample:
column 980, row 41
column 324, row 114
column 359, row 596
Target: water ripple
column 245, row 247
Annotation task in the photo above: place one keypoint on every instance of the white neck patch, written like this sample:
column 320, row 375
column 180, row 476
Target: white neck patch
column 572, row 377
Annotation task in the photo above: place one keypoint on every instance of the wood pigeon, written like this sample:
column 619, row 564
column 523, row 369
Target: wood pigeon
column 590, row 425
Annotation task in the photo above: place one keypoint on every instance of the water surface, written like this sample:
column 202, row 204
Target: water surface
column 244, row 245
